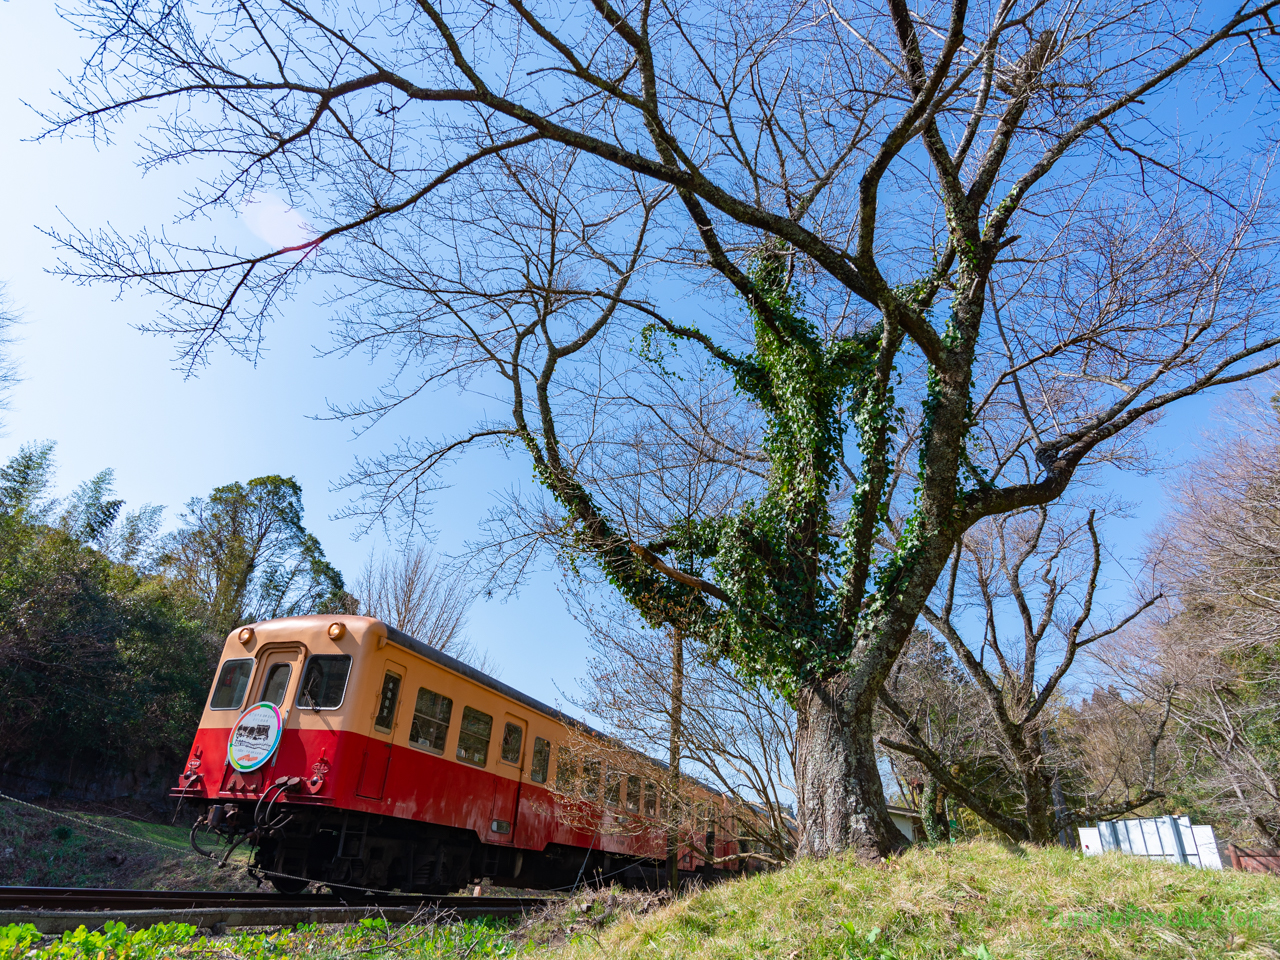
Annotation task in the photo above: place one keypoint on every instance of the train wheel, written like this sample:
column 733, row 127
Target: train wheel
column 289, row 884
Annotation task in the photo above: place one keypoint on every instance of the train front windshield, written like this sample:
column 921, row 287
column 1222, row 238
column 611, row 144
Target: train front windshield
column 228, row 691
column 325, row 682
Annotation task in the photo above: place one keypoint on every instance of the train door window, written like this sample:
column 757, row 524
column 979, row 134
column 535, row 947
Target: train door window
column 473, row 738
column 566, row 770
column 228, row 691
column 612, row 787
column 650, row 799
column 633, row 794
column 387, row 701
column 512, row 738
column 324, row 682
column 431, row 716
column 591, row 779
column 277, row 682
column 541, row 760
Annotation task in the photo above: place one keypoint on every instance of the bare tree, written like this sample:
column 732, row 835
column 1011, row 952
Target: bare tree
column 609, row 789
column 937, row 694
column 10, row 371
column 410, row 589
column 1222, row 700
column 1213, row 654
column 1040, row 575
column 738, row 739
column 1121, row 747
column 948, row 256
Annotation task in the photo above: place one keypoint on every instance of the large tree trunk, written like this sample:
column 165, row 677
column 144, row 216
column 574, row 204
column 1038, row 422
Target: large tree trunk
column 1041, row 821
column 1037, row 790
column 841, row 799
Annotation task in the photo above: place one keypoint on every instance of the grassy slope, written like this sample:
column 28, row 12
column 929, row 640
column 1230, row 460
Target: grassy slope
column 967, row 900
column 38, row 848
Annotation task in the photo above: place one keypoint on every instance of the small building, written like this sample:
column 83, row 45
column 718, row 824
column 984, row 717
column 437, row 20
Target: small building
column 908, row 821
column 1172, row 839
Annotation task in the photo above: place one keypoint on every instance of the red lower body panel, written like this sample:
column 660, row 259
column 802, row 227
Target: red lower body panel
column 354, row 772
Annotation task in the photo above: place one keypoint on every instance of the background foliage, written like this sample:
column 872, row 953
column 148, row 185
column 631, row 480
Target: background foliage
column 109, row 632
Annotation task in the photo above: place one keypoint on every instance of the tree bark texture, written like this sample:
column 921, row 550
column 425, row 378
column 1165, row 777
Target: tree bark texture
column 841, row 799
column 1037, row 788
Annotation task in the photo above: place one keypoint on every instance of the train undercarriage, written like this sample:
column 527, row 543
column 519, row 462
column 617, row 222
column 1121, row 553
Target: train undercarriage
column 294, row 846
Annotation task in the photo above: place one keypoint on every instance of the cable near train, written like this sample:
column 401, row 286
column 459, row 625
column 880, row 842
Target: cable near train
column 344, row 751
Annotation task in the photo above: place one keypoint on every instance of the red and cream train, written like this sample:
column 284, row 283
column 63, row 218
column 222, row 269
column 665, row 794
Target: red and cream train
column 397, row 766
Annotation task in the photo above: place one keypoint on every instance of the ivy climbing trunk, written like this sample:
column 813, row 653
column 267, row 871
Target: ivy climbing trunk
column 841, row 800
column 934, row 822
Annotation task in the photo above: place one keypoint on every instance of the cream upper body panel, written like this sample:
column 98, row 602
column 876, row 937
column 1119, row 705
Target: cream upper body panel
column 292, row 640
column 260, row 647
column 426, row 677
column 469, row 706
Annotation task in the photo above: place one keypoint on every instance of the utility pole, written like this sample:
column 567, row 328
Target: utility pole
column 673, row 759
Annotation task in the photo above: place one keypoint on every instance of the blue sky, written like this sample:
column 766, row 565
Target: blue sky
column 111, row 397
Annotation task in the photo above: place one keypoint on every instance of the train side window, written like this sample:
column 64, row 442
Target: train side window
column 612, row 787
column 633, row 794
column 650, row 799
column 228, row 691
column 389, row 697
column 324, row 683
column 277, row 682
column 541, row 760
column 566, row 771
column 473, row 738
column 512, row 738
column 591, row 779
column 431, row 716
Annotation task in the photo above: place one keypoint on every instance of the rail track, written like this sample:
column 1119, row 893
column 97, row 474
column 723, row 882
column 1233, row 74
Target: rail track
column 56, row 909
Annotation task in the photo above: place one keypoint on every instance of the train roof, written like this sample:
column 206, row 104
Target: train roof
column 493, row 683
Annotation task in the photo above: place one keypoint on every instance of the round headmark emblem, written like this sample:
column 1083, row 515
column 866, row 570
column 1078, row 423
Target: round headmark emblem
column 255, row 736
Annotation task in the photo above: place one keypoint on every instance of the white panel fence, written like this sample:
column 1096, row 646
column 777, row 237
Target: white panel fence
column 1172, row 839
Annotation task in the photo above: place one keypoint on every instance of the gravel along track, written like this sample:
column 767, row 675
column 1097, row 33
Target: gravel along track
column 56, row 909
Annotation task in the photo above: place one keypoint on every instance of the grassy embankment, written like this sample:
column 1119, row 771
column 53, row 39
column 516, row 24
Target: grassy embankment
column 969, row 900
column 42, row 849
column 975, row 900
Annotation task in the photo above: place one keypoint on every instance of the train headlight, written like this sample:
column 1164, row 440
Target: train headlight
column 336, row 630
column 246, row 634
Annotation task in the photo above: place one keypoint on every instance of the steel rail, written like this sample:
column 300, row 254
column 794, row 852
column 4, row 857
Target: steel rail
column 56, row 909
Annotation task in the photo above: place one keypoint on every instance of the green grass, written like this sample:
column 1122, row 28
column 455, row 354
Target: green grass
column 178, row 941
column 41, row 848
column 973, row 900
column 976, row 900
